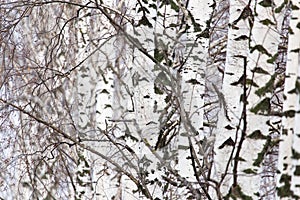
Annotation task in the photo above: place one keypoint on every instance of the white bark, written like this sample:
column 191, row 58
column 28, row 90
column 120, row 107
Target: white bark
column 229, row 98
column 259, row 120
column 242, row 120
column 293, row 74
column 288, row 160
column 85, row 118
column 190, row 96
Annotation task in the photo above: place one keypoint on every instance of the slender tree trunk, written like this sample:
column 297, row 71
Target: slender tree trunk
column 269, row 164
column 230, row 126
column 288, row 161
column 85, row 119
column 193, row 157
column 247, row 67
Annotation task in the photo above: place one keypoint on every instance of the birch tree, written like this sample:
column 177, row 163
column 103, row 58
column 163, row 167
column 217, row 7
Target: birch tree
column 288, row 160
column 249, row 64
column 148, row 99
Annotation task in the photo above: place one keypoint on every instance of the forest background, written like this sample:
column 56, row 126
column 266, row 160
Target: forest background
column 150, row 99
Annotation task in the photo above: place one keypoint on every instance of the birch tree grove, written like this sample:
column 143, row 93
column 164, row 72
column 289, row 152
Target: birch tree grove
column 150, row 99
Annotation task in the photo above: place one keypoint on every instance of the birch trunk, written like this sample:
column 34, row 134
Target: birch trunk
column 88, row 80
column 247, row 68
column 288, row 160
column 269, row 163
column 261, row 71
column 229, row 97
column 190, row 95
